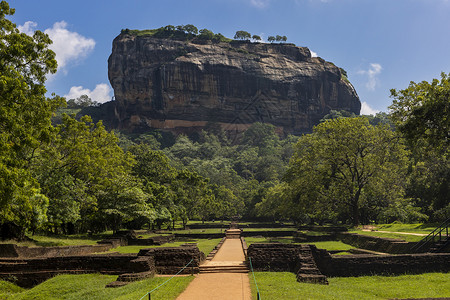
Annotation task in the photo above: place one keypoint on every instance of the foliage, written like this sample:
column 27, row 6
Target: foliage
column 82, row 101
column 80, row 166
column 347, row 169
column 256, row 38
column 25, row 111
column 420, row 113
column 242, row 35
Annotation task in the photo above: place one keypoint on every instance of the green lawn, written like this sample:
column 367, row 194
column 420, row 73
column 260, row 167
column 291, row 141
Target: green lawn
column 270, row 229
column 61, row 240
column 92, row 286
column 205, row 245
column 328, row 245
column 283, row 285
column 196, row 231
column 404, row 237
column 413, row 228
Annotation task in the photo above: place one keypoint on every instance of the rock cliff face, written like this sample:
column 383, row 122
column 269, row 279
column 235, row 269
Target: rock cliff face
column 181, row 86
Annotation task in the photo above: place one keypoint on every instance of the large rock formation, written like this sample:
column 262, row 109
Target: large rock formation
column 181, row 85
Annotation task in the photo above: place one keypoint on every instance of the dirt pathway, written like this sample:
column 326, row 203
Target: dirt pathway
column 223, row 285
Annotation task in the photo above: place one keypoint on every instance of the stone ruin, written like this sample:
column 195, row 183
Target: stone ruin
column 28, row 272
column 315, row 265
column 29, row 266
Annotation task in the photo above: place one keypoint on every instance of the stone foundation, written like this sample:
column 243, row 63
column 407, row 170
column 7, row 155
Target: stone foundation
column 12, row 250
column 28, row 272
column 170, row 260
column 386, row 245
column 367, row 265
column 306, row 260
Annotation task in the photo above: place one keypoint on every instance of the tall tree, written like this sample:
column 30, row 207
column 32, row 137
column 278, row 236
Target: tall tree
column 81, row 162
column 346, row 164
column 421, row 113
column 256, row 38
column 25, row 114
column 242, row 35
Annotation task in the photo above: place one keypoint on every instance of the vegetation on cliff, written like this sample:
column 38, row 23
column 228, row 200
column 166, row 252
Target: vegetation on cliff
column 191, row 33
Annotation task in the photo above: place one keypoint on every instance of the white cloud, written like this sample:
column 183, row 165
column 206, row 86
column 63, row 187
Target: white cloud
column 69, row 46
column 367, row 110
column 313, row 54
column 260, row 3
column 101, row 93
column 372, row 74
column 28, row 27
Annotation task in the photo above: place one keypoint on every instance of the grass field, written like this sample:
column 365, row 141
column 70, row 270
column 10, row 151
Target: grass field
column 92, row 287
column 404, row 237
column 328, row 245
column 421, row 228
column 206, row 230
column 412, row 228
column 61, row 240
column 283, row 285
column 270, row 229
column 205, row 245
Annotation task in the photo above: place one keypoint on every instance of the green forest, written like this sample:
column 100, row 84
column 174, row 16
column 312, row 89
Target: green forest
column 64, row 173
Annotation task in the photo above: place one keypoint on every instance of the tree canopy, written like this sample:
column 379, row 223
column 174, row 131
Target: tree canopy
column 347, row 168
column 25, row 115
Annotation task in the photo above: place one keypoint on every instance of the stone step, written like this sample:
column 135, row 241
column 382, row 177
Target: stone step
column 224, row 269
column 309, row 271
column 311, row 278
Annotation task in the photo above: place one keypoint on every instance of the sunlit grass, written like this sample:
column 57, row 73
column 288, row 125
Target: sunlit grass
column 270, row 229
column 328, row 245
column 204, row 245
column 92, row 286
column 403, row 237
column 283, row 285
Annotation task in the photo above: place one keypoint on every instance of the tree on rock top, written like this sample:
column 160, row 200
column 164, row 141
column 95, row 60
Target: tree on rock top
column 242, row 35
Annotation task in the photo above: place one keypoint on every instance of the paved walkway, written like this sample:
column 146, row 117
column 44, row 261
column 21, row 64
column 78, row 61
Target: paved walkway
column 221, row 286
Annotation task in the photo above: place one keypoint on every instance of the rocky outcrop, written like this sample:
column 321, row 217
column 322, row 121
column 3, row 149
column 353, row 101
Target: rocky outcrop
column 183, row 85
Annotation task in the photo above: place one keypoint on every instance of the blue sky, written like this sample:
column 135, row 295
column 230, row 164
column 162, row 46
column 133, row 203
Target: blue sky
column 382, row 44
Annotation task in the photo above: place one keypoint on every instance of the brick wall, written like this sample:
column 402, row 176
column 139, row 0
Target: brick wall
column 275, row 257
column 170, row 260
column 367, row 265
column 12, row 250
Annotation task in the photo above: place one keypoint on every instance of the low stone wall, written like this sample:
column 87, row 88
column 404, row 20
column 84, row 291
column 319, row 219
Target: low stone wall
column 378, row 244
column 200, row 235
column 208, row 226
column 367, row 265
column 323, row 228
column 264, row 225
column 12, row 250
column 289, row 258
column 277, row 233
column 275, row 257
column 170, row 260
column 156, row 240
column 29, row 272
column 303, row 237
